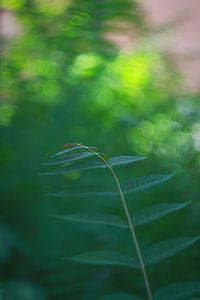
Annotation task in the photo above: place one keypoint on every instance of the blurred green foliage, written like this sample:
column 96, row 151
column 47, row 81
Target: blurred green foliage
column 62, row 80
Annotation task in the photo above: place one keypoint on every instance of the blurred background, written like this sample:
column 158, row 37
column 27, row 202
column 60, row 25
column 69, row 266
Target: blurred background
column 121, row 75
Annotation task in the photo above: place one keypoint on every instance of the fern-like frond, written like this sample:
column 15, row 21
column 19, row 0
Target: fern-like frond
column 77, row 157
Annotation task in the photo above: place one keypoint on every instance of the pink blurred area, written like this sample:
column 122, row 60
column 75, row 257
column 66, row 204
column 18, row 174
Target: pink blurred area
column 180, row 20
column 9, row 26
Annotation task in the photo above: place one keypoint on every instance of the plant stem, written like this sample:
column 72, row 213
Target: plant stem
column 131, row 226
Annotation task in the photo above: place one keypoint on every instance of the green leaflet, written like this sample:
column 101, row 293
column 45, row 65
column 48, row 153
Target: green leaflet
column 177, row 291
column 137, row 185
column 95, row 190
column 90, row 164
column 69, row 158
column 95, row 218
column 164, row 249
column 68, row 148
column 111, row 258
column 85, row 165
column 153, row 254
column 124, row 160
column 142, row 217
column 120, row 296
column 143, row 183
column 155, row 212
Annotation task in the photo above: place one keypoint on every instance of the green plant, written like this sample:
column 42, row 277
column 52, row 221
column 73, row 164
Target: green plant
column 76, row 157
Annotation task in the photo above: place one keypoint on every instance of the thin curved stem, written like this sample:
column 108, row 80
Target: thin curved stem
column 131, row 226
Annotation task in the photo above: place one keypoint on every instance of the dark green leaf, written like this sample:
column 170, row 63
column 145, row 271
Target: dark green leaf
column 164, row 249
column 143, row 183
column 177, row 291
column 124, row 160
column 95, row 219
column 96, row 190
column 85, row 165
column 155, row 212
column 106, row 258
column 68, row 148
column 70, row 158
column 102, row 190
